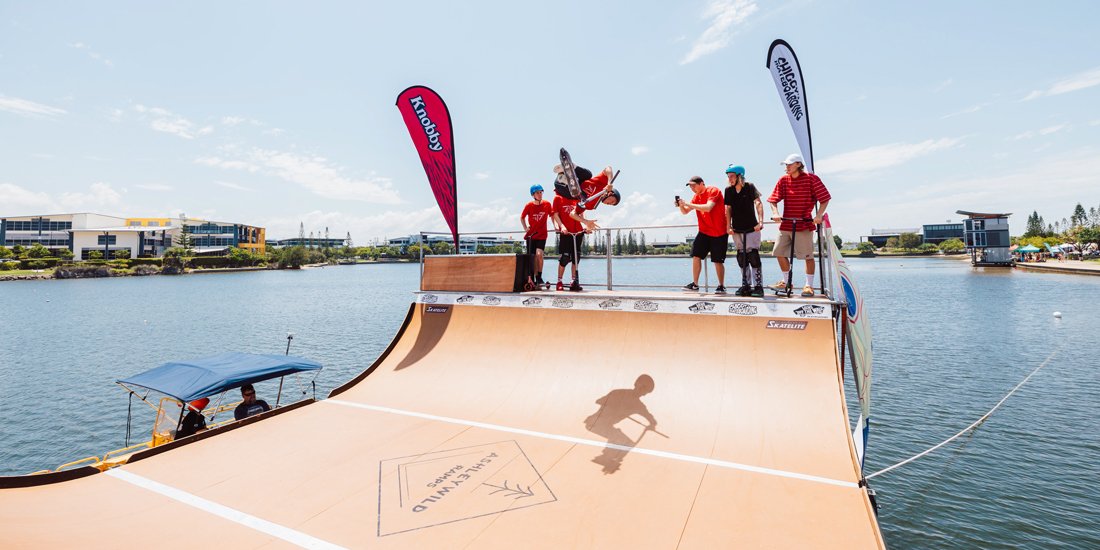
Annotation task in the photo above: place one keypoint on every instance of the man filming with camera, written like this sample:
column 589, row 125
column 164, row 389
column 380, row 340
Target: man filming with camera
column 712, row 238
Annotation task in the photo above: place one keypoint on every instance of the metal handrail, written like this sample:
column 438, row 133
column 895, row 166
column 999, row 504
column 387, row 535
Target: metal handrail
column 827, row 281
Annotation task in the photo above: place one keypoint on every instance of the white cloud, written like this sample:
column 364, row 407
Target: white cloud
column 94, row 55
column 639, row 150
column 166, row 121
column 968, row 110
column 481, row 175
column 154, row 187
column 880, row 157
column 29, row 108
column 943, row 85
column 232, row 120
column 1052, row 129
column 1002, row 190
column 313, row 172
column 16, row 200
column 724, row 14
column 232, row 185
column 99, row 195
column 1079, row 81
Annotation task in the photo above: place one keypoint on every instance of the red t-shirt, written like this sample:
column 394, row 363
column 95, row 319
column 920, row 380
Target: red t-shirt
column 562, row 207
column 593, row 187
column 711, row 223
column 537, row 215
column 799, row 195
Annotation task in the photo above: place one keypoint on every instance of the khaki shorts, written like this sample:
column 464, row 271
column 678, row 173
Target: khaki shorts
column 803, row 245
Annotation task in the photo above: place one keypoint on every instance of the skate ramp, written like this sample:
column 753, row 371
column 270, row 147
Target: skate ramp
column 505, row 427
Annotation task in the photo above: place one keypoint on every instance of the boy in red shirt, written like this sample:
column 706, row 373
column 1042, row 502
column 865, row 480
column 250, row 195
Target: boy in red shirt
column 594, row 192
column 570, row 240
column 712, row 237
column 534, row 219
column 800, row 191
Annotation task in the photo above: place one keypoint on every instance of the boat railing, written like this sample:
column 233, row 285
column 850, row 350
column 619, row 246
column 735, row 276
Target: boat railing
column 826, row 278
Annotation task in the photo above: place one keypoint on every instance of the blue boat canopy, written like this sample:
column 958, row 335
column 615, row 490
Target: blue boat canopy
column 189, row 380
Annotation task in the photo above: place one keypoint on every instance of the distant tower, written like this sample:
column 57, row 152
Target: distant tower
column 311, row 239
column 347, row 241
column 301, row 234
column 326, row 238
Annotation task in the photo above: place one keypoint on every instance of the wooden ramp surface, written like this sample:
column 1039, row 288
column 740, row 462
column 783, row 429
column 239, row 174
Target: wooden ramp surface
column 511, row 428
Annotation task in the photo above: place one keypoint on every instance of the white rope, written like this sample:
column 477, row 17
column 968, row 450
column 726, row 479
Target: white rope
column 975, row 424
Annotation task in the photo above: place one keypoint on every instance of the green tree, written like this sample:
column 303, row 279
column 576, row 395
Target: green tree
column 1079, row 217
column 618, row 250
column 631, row 244
column 38, row 251
column 641, row 243
column 95, row 255
column 909, row 241
column 866, row 247
column 1034, row 225
column 184, row 240
column 64, row 253
column 121, row 254
column 928, row 248
column 18, row 250
column 892, row 242
column 239, row 257
column 442, row 247
column 1089, row 235
column 292, row 257
column 952, row 245
column 413, row 251
column 5, row 252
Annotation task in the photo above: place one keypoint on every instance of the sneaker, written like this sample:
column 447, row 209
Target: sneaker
column 743, row 291
column 539, row 281
column 691, row 286
column 781, row 285
column 807, row 291
column 560, row 287
column 757, row 292
column 575, row 287
column 719, row 289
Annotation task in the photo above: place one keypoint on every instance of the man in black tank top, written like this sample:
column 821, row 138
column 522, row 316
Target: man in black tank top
column 744, row 220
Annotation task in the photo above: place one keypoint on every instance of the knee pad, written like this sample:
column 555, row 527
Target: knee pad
column 742, row 259
column 754, row 258
column 565, row 259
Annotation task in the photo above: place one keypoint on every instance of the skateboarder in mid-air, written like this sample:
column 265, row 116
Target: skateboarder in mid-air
column 577, row 183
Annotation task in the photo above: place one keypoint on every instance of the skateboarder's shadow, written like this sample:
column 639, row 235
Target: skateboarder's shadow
column 617, row 406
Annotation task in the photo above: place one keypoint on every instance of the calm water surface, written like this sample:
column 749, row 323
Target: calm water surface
column 949, row 342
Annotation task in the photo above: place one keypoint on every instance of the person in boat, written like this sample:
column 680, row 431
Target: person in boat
column 193, row 421
column 713, row 237
column 249, row 404
column 534, row 219
column 799, row 191
column 744, row 220
column 594, row 191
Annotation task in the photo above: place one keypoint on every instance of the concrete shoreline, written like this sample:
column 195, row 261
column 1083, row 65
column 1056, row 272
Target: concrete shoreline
column 1075, row 267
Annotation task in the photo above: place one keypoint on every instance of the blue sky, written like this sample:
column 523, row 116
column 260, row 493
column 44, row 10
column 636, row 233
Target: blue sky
column 275, row 113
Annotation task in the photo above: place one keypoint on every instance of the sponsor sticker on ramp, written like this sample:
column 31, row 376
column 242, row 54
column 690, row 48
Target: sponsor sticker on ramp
column 427, row 490
column 786, row 325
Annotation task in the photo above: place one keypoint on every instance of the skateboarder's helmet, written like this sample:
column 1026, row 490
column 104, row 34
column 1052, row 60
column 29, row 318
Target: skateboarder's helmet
column 615, row 195
column 734, row 169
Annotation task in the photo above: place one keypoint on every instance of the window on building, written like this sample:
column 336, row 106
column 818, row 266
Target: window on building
column 106, row 239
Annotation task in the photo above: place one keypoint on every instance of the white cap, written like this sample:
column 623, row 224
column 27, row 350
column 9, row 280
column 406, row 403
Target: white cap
column 793, row 158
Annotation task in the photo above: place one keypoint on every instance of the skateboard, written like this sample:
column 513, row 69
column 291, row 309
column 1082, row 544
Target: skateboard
column 569, row 173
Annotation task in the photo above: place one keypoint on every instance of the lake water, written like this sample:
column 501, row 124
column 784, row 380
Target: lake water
column 950, row 341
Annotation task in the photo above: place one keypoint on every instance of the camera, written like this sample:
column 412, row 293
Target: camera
column 677, row 200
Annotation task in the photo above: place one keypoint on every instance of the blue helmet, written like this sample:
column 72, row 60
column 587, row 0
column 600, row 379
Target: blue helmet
column 736, row 169
column 536, row 188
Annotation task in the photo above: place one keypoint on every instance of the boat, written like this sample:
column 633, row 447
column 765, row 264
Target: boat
column 168, row 388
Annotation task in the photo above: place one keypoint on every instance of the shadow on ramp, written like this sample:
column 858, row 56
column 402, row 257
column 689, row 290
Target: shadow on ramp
column 433, row 325
column 615, row 407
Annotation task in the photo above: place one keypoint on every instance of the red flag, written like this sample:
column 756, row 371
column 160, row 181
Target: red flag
column 429, row 124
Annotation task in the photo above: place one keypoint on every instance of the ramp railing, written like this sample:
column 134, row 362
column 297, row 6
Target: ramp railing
column 605, row 245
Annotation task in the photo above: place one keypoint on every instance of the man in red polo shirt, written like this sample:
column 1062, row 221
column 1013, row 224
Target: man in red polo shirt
column 570, row 240
column 800, row 191
column 534, row 219
column 712, row 237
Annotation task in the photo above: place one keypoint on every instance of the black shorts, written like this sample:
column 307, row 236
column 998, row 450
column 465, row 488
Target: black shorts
column 715, row 246
column 569, row 244
column 536, row 244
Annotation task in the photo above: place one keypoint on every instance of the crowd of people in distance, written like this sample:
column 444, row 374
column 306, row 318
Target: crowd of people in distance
column 737, row 213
